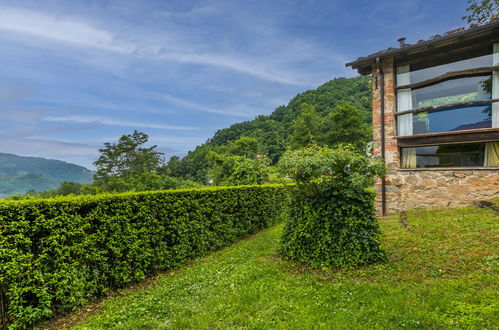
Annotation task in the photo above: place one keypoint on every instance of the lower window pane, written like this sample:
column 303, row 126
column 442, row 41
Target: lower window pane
column 453, row 119
column 448, row 155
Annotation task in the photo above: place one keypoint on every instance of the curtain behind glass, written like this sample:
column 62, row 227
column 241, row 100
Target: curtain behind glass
column 491, row 154
column 404, row 101
column 409, row 159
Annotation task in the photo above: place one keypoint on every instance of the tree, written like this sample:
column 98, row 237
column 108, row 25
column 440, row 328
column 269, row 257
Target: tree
column 239, row 163
column 174, row 167
column 127, row 165
column 306, row 128
column 483, row 11
column 244, row 146
column 345, row 124
column 68, row 188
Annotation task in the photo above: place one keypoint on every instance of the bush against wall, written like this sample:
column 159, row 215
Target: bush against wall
column 57, row 254
column 331, row 219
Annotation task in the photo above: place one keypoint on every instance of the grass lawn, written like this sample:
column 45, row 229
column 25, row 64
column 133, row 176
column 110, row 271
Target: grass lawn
column 442, row 273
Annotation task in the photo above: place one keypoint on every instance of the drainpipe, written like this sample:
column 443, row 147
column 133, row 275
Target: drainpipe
column 382, row 113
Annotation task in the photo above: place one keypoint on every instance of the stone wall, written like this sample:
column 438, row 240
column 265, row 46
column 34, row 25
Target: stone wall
column 407, row 189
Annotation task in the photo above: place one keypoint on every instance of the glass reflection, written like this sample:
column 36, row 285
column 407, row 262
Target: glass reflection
column 453, row 119
column 453, row 91
column 453, row 155
column 405, row 77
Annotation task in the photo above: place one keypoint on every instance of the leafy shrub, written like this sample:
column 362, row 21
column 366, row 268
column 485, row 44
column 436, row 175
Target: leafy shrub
column 239, row 163
column 57, row 254
column 331, row 219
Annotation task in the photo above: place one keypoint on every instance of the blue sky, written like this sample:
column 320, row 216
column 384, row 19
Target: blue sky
column 75, row 74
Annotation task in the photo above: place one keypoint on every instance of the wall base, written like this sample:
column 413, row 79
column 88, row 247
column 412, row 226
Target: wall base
column 406, row 189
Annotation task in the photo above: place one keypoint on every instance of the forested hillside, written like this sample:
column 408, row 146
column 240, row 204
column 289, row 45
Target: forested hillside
column 275, row 131
column 20, row 174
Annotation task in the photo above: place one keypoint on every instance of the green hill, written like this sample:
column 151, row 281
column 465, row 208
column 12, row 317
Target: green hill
column 19, row 174
column 273, row 131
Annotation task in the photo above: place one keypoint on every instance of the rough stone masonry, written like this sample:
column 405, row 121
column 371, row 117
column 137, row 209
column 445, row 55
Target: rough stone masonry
column 412, row 188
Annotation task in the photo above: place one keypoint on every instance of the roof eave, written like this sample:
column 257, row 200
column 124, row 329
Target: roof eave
column 364, row 64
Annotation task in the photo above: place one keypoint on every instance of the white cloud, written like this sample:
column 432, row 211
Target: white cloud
column 46, row 147
column 199, row 107
column 58, row 29
column 114, row 122
column 79, row 33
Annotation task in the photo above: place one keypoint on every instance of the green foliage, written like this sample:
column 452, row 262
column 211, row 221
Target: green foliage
column 274, row 132
column 345, row 124
column 483, row 11
column 316, row 165
column 127, row 165
column 331, row 219
column 307, row 128
column 238, row 170
column 57, row 254
column 239, row 163
column 248, row 285
column 244, row 146
column 70, row 188
column 174, row 167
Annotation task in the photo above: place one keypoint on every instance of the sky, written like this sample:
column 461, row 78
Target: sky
column 75, row 74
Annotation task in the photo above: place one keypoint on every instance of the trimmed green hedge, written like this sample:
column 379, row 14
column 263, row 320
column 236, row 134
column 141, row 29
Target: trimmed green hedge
column 331, row 221
column 57, row 254
column 334, row 227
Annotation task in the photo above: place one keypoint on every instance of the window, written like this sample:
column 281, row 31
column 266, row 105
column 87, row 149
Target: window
column 452, row 119
column 435, row 71
column 453, row 103
column 451, row 155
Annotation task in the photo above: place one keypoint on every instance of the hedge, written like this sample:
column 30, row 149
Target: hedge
column 58, row 254
column 334, row 227
column 331, row 221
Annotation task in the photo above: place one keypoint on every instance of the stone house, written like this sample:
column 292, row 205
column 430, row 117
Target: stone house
column 436, row 118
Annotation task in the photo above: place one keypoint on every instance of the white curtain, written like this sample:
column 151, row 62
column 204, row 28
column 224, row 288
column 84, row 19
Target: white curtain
column 491, row 154
column 404, row 101
column 495, row 88
column 409, row 158
column 403, row 75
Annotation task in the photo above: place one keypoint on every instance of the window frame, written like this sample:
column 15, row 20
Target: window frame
column 455, row 168
column 403, row 92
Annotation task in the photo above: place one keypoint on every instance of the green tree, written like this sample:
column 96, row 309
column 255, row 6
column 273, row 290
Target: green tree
column 274, row 131
column 175, row 167
column 345, row 124
column 239, row 163
column 483, row 11
column 244, row 146
column 68, row 188
column 128, row 165
column 306, row 128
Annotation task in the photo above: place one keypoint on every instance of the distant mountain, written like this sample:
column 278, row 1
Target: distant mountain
column 19, row 174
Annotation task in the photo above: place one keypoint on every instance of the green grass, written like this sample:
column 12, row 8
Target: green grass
column 442, row 273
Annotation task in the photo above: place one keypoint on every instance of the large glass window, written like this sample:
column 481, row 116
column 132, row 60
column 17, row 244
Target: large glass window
column 453, row 91
column 451, row 155
column 435, row 71
column 452, row 119
column 484, row 86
